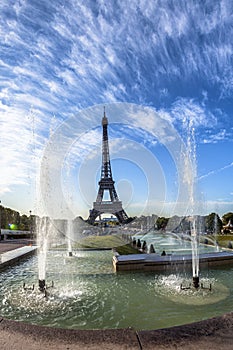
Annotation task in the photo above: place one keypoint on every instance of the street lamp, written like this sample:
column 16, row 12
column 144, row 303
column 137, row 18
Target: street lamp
column 30, row 223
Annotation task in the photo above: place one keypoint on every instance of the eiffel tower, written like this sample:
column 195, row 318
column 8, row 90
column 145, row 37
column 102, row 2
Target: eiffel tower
column 106, row 183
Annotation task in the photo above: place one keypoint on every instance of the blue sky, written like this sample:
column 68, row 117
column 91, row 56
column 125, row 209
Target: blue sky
column 163, row 69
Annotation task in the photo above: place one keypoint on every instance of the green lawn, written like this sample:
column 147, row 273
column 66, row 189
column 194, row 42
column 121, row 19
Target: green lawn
column 98, row 242
column 223, row 240
column 102, row 242
column 127, row 249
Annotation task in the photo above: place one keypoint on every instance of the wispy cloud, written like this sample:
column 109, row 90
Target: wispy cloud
column 17, row 150
column 184, row 109
column 60, row 57
column 222, row 135
column 216, row 171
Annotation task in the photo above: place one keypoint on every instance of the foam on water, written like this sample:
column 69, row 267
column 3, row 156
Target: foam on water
column 170, row 288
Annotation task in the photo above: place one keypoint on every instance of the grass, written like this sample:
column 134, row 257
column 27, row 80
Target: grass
column 103, row 242
column 223, row 240
column 97, row 242
column 126, row 250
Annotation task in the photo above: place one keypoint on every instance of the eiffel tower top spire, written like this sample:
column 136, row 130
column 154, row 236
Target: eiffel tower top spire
column 106, row 172
column 106, row 183
column 105, row 119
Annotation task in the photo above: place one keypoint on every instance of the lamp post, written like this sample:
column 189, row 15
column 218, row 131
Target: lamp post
column 30, row 223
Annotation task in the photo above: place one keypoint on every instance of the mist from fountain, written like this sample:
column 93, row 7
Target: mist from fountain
column 195, row 252
column 210, row 240
column 190, row 173
column 69, row 234
column 44, row 230
column 216, row 230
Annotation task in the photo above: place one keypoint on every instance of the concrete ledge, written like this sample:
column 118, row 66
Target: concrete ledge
column 155, row 262
column 18, row 335
column 12, row 257
column 215, row 333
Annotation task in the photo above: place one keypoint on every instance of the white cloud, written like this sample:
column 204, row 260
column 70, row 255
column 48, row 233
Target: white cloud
column 184, row 110
column 216, row 171
column 74, row 55
column 214, row 138
column 16, row 152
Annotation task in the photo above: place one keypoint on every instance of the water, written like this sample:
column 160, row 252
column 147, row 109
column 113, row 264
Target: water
column 69, row 235
column 174, row 244
column 190, row 176
column 89, row 295
column 44, row 227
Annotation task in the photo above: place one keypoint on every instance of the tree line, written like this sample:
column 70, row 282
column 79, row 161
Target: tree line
column 13, row 220
column 211, row 223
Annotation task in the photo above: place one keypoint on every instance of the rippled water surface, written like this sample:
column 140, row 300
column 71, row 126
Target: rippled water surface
column 88, row 294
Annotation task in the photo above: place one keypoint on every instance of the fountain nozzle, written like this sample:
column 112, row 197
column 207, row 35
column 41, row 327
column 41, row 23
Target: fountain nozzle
column 196, row 282
column 42, row 285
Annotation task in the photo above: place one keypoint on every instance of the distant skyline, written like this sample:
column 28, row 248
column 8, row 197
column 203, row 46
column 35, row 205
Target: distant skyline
column 163, row 69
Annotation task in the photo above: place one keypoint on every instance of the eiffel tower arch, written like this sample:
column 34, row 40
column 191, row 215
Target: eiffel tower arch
column 106, row 183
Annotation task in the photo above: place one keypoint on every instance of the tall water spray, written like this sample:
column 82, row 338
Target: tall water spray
column 44, row 229
column 216, row 229
column 69, row 235
column 190, row 177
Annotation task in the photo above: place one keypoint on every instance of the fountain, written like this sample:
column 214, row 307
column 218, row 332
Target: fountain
column 195, row 256
column 44, row 230
column 69, row 235
column 88, row 293
column 191, row 178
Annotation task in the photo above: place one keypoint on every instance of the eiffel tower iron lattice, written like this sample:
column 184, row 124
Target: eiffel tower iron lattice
column 106, row 183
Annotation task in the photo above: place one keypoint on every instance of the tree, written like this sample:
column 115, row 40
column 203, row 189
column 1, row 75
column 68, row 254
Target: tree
column 161, row 223
column 9, row 217
column 24, row 222
column 226, row 217
column 213, row 223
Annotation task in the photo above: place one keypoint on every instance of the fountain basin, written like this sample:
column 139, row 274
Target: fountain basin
column 88, row 294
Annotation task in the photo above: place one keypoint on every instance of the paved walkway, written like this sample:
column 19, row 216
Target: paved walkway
column 213, row 334
column 6, row 247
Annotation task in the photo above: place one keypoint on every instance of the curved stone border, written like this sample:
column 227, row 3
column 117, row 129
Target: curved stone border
column 20, row 335
column 214, row 334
